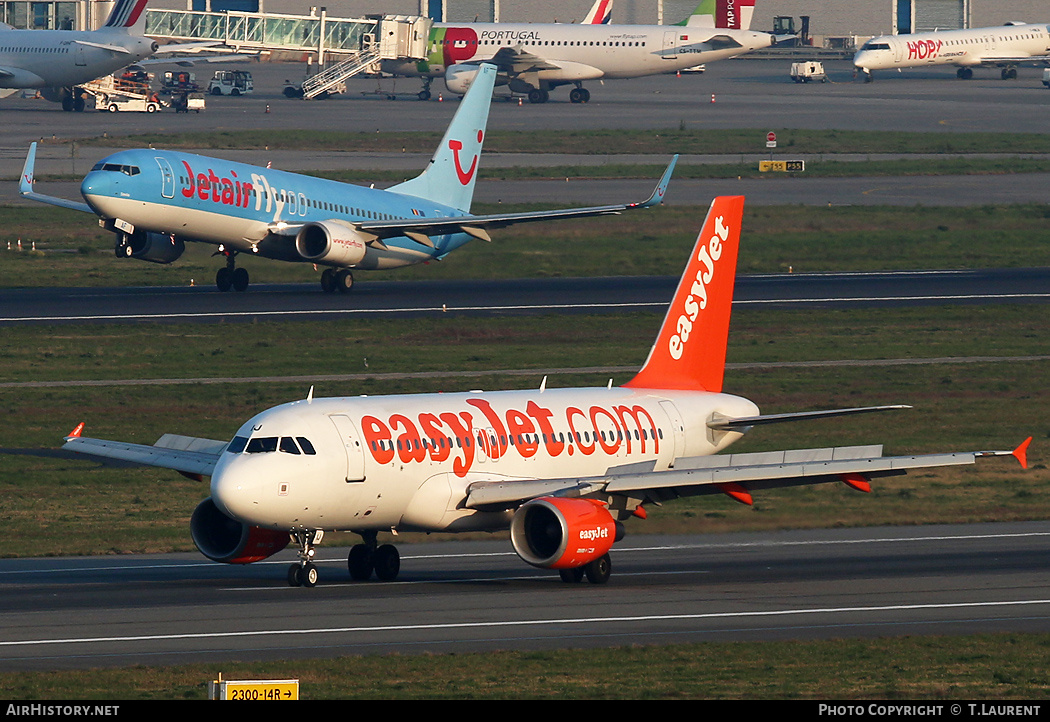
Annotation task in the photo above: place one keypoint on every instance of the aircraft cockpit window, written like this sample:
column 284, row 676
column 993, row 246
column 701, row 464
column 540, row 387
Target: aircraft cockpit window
column 117, row 167
column 306, row 446
column 876, row 46
column 262, row 445
column 288, row 445
column 237, row 445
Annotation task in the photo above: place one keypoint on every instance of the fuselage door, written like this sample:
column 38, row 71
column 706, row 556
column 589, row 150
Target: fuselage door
column 670, row 50
column 677, row 430
column 167, row 178
column 355, row 453
column 78, row 56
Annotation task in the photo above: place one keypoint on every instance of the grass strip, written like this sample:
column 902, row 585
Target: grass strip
column 989, row 668
column 687, row 139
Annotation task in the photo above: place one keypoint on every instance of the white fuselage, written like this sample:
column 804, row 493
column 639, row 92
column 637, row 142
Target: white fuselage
column 964, row 48
column 583, row 52
column 405, row 462
column 64, row 58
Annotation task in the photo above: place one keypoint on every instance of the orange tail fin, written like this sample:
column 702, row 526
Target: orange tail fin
column 690, row 350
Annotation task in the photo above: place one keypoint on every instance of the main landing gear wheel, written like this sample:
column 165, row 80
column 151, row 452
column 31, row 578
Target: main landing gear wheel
column 231, row 276
column 341, row 280
column 538, row 96
column 597, row 571
column 367, row 558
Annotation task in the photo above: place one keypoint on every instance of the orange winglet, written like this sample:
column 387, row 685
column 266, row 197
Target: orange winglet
column 857, row 481
column 75, row 433
column 737, row 491
column 1021, row 452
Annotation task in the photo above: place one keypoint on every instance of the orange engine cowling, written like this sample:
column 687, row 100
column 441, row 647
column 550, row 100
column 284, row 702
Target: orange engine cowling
column 330, row 242
column 227, row 540
column 557, row 533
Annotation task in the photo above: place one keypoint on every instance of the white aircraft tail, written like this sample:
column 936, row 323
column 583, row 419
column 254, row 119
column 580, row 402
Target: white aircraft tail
column 727, row 14
column 450, row 176
column 128, row 16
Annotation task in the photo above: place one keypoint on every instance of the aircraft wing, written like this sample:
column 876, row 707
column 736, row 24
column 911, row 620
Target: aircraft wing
column 420, row 229
column 1000, row 59
column 25, row 187
column 515, row 61
column 734, row 474
column 192, row 456
column 5, row 73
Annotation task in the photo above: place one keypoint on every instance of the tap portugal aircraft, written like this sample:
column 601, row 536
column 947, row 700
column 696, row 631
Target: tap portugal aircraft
column 1004, row 46
column 562, row 469
column 534, row 58
column 155, row 201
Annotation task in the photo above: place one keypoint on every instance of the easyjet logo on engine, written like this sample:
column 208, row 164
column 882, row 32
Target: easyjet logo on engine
column 463, row 435
column 696, row 300
column 600, row 532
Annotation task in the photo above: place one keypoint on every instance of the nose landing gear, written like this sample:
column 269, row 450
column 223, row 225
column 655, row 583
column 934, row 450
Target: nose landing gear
column 304, row 573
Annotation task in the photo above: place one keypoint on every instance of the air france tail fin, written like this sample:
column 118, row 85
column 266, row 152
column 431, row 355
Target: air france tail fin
column 599, row 14
column 450, row 176
column 128, row 16
column 727, row 14
column 690, row 350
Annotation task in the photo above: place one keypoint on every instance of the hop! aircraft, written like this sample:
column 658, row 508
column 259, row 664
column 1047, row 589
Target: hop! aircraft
column 156, row 201
column 1006, row 46
column 562, row 469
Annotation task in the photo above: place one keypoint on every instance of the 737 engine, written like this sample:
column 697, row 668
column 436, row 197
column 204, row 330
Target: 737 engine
column 564, row 534
column 331, row 243
column 226, row 540
column 149, row 246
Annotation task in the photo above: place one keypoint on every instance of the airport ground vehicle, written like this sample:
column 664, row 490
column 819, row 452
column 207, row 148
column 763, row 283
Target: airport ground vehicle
column 808, row 71
column 231, row 82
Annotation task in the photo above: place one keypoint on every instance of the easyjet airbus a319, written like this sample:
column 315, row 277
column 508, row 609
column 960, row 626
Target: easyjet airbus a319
column 156, row 201
column 562, row 469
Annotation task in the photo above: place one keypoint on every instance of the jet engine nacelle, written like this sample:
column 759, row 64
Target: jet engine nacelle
column 152, row 247
column 330, row 243
column 459, row 77
column 557, row 533
column 227, row 540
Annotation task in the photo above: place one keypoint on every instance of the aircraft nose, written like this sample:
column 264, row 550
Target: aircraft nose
column 233, row 490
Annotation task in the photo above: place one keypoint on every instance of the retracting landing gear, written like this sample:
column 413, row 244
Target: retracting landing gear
column 304, row 573
column 230, row 276
column 368, row 557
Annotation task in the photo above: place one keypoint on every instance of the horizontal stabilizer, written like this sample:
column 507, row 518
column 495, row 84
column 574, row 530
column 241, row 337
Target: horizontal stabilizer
column 725, row 424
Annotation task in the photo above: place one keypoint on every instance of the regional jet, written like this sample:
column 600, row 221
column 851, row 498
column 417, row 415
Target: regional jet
column 155, row 201
column 561, row 469
column 1004, row 46
column 534, row 58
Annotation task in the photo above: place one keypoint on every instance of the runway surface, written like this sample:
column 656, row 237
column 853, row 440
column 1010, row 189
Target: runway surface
column 478, row 596
column 517, row 297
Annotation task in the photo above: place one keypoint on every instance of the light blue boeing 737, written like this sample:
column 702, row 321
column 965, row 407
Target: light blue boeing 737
column 155, row 201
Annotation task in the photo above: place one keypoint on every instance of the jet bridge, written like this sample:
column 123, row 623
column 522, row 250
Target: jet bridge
column 344, row 47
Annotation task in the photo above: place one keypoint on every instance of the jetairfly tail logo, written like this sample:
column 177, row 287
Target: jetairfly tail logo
column 465, row 176
column 708, row 255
